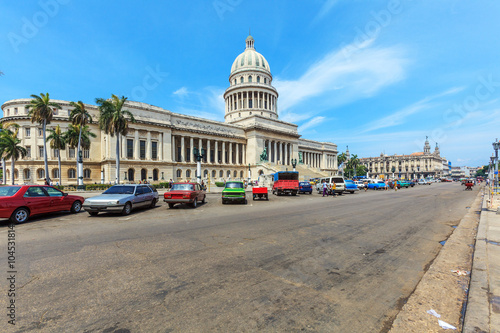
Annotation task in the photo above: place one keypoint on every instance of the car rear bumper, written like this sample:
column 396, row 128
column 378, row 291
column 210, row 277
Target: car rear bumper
column 174, row 201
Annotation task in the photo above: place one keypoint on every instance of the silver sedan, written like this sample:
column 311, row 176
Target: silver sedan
column 122, row 199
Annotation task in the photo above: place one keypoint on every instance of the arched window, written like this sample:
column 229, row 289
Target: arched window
column 241, row 174
column 228, row 173
column 234, row 81
column 178, row 174
column 214, row 173
column 205, row 174
column 261, row 172
column 55, row 173
column 86, row 173
column 40, row 173
column 188, row 173
column 250, row 78
column 221, row 173
column 144, row 174
column 71, row 173
column 265, row 80
column 235, row 174
column 155, row 174
column 131, row 174
column 258, row 79
column 27, row 174
column 16, row 174
column 241, row 79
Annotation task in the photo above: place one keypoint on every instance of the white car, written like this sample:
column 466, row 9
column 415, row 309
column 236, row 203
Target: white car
column 360, row 184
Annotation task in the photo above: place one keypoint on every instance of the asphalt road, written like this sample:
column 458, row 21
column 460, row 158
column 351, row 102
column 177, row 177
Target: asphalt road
column 305, row 263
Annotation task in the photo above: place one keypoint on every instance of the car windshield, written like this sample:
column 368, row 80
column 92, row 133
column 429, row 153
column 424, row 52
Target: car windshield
column 234, row 185
column 120, row 189
column 182, row 187
column 8, row 191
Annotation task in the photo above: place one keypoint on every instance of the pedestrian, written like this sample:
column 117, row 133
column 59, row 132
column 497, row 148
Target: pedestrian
column 386, row 185
column 395, row 185
column 365, row 185
column 332, row 189
column 325, row 188
column 51, row 183
column 46, row 181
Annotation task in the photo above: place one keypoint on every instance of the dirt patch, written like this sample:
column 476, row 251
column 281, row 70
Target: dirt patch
column 445, row 285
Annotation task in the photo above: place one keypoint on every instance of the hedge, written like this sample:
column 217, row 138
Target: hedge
column 220, row 184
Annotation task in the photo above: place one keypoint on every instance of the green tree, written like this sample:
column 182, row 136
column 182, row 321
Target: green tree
column 41, row 110
column 11, row 148
column 57, row 142
column 76, row 135
column 11, row 128
column 81, row 117
column 483, row 172
column 114, row 120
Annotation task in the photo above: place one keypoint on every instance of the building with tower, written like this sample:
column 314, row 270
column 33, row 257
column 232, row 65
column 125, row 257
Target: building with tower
column 252, row 140
column 414, row 166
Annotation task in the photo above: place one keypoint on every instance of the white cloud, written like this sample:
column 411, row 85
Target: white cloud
column 339, row 78
column 311, row 123
column 181, row 92
column 325, row 9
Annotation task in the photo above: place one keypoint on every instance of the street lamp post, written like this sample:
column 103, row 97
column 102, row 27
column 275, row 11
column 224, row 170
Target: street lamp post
column 102, row 176
column 294, row 163
column 249, row 174
column 492, row 163
column 496, row 145
column 80, row 171
column 198, row 156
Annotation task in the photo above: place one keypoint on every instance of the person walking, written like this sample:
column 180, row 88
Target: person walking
column 332, row 189
column 325, row 188
column 365, row 185
column 387, row 185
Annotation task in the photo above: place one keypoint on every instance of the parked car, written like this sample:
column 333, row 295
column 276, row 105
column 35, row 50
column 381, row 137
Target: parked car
column 423, row 182
column 234, row 191
column 188, row 193
column 122, row 199
column 360, row 184
column 305, row 187
column 330, row 181
column 350, row 186
column 377, row 185
column 19, row 202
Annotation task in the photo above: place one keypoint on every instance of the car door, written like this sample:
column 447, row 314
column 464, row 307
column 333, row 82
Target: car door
column 58, row 201
column 37, row 200
column 148, row 195
column 139, row 197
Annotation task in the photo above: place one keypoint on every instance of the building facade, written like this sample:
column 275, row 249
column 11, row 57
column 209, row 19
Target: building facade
column 414, row 166
column 159, row 146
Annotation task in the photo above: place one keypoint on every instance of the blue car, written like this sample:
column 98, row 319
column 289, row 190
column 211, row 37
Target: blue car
column 305, row 187
column 350, row 186
column 377, row 185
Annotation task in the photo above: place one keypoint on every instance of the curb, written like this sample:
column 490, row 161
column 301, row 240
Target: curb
column 477, row 315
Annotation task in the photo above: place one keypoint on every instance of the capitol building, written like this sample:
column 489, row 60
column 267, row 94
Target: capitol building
column 159, row 146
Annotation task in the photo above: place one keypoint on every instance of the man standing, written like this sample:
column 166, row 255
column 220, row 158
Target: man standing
column 325, row 188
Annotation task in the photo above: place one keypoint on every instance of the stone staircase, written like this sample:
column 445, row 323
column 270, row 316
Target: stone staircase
column 305, row 172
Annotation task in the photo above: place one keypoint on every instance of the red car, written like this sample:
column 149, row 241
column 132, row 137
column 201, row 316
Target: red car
column 19, row 202
column 189, row 193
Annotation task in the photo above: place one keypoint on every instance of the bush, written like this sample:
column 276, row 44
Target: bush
column 98, row 187
column 220, row 184
column 59, row 187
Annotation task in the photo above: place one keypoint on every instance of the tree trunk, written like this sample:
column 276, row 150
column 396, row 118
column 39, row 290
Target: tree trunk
column 78, row 168
column 45, row 153
column 12, row 169
column 117, row 181
column 4, row 176
column 59, row 165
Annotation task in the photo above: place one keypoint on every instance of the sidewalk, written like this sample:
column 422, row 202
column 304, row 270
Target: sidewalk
column 483, row 306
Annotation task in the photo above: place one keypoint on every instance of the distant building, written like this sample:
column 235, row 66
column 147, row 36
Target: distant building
column 414, row 166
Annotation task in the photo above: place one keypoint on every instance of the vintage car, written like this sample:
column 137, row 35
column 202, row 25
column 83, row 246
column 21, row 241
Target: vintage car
column 122, row 199
column 234, row 191
column 305, row 187
column 19, row 202
column 403, row 183
column 360, row 184
column 187, row 193
column 350, row 186
column 377, row 185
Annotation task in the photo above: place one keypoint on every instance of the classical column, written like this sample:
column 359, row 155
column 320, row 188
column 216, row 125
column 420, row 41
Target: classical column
column 230, row 152
column 286, row 153
column 190, row 149
column 269, row 150
column 160, row 146
column 238, row 153
column 280, row 152
column 172, row 149
column 275, row 155
column 136, row 145
column 208, row 151
column 244, row 154
column 124, row 147
column 223, row 152
column 216, row 151
column 148, row 146
column 182, row 150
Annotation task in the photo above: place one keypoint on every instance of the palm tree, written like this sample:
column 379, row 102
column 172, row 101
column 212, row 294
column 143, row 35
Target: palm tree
column 57, row 142
column 76, row 135
column 10, row 128
column 11, row 147
column 41, row 111
column 79, row 116
column 341, row 158
column 114, row 120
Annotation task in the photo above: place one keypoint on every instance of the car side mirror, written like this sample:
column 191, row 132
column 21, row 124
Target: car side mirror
column 65, row 194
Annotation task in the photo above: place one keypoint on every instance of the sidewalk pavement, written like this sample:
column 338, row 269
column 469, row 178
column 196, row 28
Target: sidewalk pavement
column 483, row 306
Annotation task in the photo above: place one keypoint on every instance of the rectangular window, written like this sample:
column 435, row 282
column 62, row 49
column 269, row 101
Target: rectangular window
column 212, row 157
column 86, row 153
column 179, row 152
column 71, row 152
column 142, row 149
column 56, row 153
column 40, row 132
column 130, row 148
column 40, row 151
column 154, row 150
column 15, row 111
column 28, row 151
column 28, row 132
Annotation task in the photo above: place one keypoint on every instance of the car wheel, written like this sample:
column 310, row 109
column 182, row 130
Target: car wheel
column 171, row 205
column 20, row 215
column 93, row 213
column 127, row 209
column 153, row 204
column 203, row 200
column 223, row 201
column 352, row 192
column 76, row 207
column 195, row 203
column 245, row 201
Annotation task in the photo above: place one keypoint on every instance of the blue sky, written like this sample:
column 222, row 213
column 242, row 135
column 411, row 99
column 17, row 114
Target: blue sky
column 378, row 76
